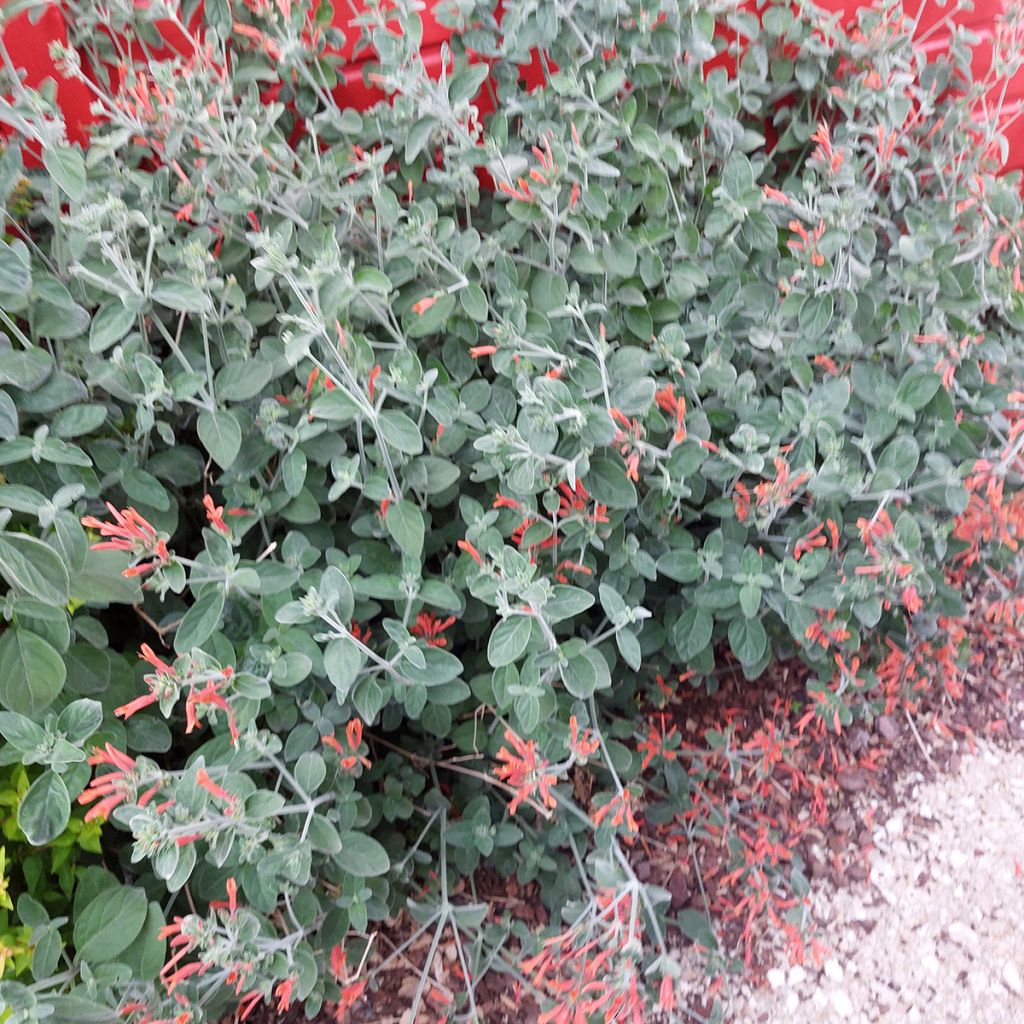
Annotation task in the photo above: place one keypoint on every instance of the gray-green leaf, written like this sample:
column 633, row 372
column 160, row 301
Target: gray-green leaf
column 221, row 435
column 67, row 168
column 405, row 523
column 31, row 672
column 509, row 640
column 33, row 568
column 45, row 809
column 110, row 923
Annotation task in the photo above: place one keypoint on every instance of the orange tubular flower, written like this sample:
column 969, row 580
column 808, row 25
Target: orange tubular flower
column 248, row 1003
column 667, row 994
column 133, row 706
column 851, row 670
column 823, row 151
column 912, row 600
column 419, row 308
column 215, row 515
column 522, row 192
column 807, row 242
column 812, row 540
column 371, row 386
column 833, row 532
column 111, row 788
column 654, row 745
column 778, row 494
column 574, row 567
column 824, row 633
column 269, row 46
column 618, row 811
column 828, row 364
column 146, row 653
column 741, row 499
column 576, row 501
column 872, row 530
column 430, row 628
column 347, row 998
column 675, row 406
column 1002, row 241
column 134, row 534
column 525, row 772
column 231, row 903
column 204, row 781
column 283, row 992
column 354, row 739
column 581, row 746
column 337, row 962
column 775, row 194
column 209, row 696
column 464, row 545
column 360, row 633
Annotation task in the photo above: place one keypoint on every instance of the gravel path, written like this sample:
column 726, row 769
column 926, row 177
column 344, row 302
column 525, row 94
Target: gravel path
column 936, row 935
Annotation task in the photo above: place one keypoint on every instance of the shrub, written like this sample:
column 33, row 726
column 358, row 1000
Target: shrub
column 413, row 455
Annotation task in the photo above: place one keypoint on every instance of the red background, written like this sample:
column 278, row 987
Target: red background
column 28, row 45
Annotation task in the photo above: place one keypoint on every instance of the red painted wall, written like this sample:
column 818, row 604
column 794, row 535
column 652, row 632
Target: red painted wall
column 28, row 44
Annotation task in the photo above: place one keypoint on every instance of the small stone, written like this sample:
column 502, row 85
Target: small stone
column 930, row 962
column 857, row 739
column 797, row 975
column 853, row 780
column 776, row 978
column 859, row 871
column 841, row 1003
column 962, row 934
column 843, row 822
column 894, row 826
column 888, row 727
column 1011, row 978
column 833, row 970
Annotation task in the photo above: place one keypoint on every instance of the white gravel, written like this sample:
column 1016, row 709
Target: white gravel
column 936, row 935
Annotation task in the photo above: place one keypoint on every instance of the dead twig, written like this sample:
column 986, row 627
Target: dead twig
column 920, row 742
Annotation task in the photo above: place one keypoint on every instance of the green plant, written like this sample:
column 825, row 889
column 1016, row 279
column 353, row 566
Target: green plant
column 15, row 953
column 40, row 874
column 410, row 491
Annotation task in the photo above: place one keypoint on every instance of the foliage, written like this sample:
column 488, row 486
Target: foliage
column 414, row 453
column 32, row 874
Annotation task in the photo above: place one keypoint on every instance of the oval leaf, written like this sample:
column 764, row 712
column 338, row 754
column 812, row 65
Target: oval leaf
column 363, row 856
column 110, row 924
column 509, row 640
column 45, row 809
column 221, row 436
column 31, row 672
column 66, row 167
column 200, row 620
